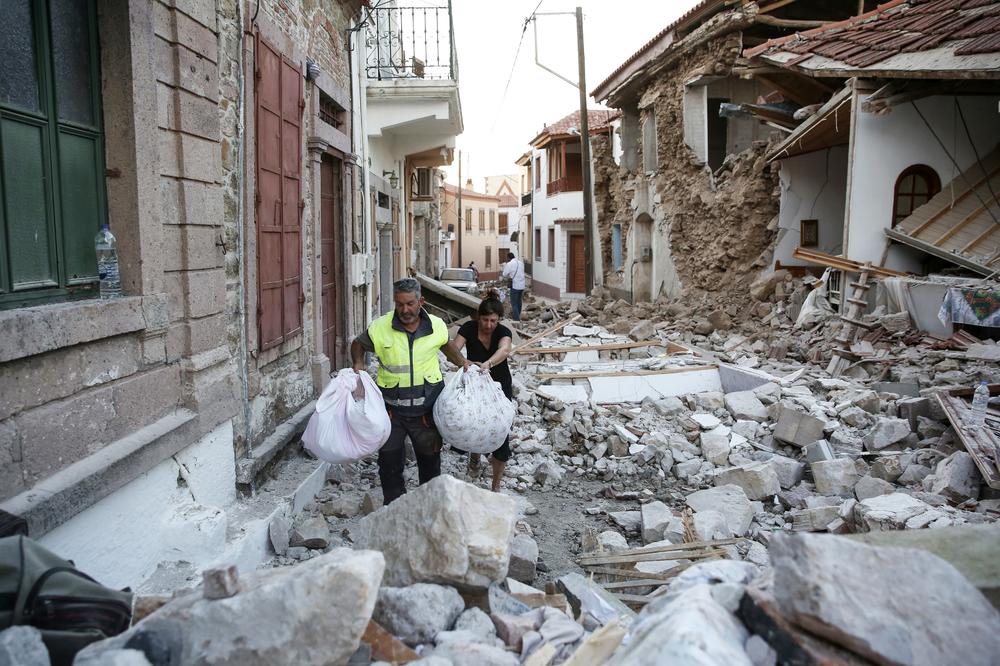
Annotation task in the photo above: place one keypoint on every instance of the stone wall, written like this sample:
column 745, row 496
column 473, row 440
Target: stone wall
column 718, row 229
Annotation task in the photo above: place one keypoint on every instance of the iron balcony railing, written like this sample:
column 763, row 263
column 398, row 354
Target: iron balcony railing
column 526, row 198
column 411, row 43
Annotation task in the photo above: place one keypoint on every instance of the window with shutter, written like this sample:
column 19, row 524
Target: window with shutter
column 280, row 103
column 52, row 196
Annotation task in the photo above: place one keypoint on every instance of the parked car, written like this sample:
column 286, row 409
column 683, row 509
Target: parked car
column 463, row 279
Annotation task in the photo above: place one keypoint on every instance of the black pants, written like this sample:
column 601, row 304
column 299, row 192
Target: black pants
column 426, row 442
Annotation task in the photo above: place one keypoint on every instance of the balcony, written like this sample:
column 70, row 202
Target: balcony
column 410, row 43
column 526, row 198
column 412, row 81
column 569, row 183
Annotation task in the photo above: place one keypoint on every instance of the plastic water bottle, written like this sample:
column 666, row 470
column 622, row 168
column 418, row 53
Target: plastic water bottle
column 107, row 263
column 980, row 400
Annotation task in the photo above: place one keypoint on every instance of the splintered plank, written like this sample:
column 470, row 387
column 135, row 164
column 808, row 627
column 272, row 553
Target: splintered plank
column 981, row 442
column 632, row 573
column 652, row 557
column 554, row 327
column 610, row 346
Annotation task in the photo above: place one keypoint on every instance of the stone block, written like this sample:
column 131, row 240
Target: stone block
column 523, row 558
column 221, row 582
column 744, row 405
column 730, row 501
column 630, row 521
column 835, row 477
column 189, row 157
column 887, row 512
column 758, row 480
column 178, row 28
column 311, row 614
column 870, row 486
column 191, row 248
column 415, row 614
column 190, row 202
column 911, row 409
column 446, row 531
column 179, row 67
column 957, row 478
column 798, row 429
column 716, row 445
column 659, row 523
column 789, row 471
column 611, row 541
column 887, row 431
column 887, row 468
column 946, row 620
column 711, row 525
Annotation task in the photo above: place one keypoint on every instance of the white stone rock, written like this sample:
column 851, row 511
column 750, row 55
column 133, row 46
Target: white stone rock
column 758, row 480
column 835, row 477
column 887, row 431
column 22, row 645
column 869, row 487
column 887, row 512
column 706, row 421
column 475, row 654
column 630, row 521
column 523, row 558
column 744, row 405
column 312, row 613
column 716, row 445
column 689, row 628
column 709, row 401
column 581, row 331
column 110, row 658
column 747, row 429
column 657, row 521
column 611, row 541
column 957, row 478
column 415, row 614
column 760, row 653
column 446, row 531
column 710, row 525
column 478, row 623
column 789, row 471
column 890, row 605
column 730, row 501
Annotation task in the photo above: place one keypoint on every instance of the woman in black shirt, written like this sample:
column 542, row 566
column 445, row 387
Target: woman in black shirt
column 487, row 343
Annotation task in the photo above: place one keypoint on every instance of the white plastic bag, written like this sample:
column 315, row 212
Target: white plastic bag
column 344, row 429
column 472, row 413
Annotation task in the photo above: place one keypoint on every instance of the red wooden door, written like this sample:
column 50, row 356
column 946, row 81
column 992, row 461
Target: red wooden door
column 577, row 265
column 331, row 206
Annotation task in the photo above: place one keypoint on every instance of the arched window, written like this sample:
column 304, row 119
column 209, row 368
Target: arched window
column 914, row 187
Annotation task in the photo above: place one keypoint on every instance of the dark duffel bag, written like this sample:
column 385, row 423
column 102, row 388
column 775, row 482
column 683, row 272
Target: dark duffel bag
column 40, row 589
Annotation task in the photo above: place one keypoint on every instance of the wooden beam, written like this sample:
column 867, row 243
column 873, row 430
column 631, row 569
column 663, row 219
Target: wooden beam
column 842, row 263
column 632, row 573
column 543, row 376
column 966, row 221
column 653, row 557
column 605, row 347
column 977, row 440
column 980, row 238
column 774, row 5
column 794, row 24
column 546, row 332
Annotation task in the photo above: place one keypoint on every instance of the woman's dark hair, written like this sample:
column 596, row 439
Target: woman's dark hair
column 491, row 304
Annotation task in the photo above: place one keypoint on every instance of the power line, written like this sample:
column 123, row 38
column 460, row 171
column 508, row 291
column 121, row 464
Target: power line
column 513, row 65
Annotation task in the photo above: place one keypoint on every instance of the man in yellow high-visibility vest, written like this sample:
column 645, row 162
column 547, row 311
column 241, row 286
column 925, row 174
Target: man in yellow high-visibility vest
column 406, row 342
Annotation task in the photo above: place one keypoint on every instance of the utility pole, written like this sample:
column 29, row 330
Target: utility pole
column 588, row 185
column 459, row 215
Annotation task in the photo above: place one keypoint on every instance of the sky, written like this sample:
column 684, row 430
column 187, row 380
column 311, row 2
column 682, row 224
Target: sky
column 499, row 125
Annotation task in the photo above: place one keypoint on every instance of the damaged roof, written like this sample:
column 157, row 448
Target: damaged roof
column 946, row 38
column 961, row 223
column 596, row 119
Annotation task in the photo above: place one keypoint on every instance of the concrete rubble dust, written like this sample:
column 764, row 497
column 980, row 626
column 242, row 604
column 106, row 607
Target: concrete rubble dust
column 760, row 526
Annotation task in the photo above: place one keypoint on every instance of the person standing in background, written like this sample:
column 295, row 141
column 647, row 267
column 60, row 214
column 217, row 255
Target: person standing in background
column 514, row 271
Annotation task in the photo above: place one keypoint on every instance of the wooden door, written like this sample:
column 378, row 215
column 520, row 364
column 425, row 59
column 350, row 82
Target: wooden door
column 577, row 265
column 331, row 207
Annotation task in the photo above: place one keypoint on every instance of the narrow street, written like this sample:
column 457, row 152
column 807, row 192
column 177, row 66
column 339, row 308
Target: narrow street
column 712, row 288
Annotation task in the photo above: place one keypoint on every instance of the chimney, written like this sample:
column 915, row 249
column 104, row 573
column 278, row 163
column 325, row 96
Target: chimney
column 468, row 184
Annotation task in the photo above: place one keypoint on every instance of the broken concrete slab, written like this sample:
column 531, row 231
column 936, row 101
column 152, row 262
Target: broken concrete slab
column 835, row 477
column 446, row 531
column 415, row 614
column 582, row 593
column 889, row 606
column 566, row 393
column 758, row 480
column 798, row 428
column 731, row 501
column 706, row 421
column 626, row 388
column 745, row 406
column 312, row 613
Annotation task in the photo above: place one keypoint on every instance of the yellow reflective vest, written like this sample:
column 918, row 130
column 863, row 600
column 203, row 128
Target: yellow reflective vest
column 401, row 366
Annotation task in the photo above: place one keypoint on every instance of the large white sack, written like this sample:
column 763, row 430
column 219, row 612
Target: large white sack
column 344, row 429
column 472, row 413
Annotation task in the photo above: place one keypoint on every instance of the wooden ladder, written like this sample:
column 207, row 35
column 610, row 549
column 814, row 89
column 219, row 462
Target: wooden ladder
column 852, row 320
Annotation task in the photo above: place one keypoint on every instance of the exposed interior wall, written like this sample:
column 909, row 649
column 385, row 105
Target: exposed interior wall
column 885, row 145
column 709, row 230
column 813, row 186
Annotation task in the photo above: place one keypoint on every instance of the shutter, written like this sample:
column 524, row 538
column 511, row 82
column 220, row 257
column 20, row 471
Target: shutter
column 278, row 94
column 293, row 205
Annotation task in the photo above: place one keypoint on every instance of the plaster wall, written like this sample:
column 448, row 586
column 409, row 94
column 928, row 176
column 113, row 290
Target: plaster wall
column 884, row 146
column 813, row 186
column 547, row 209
